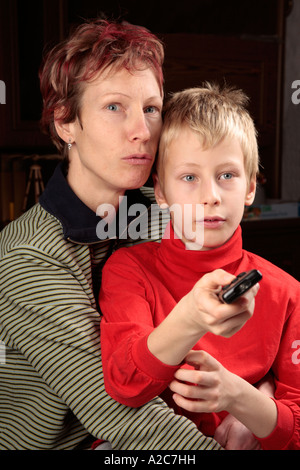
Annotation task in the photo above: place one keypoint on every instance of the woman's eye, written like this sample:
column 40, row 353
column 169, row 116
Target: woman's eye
column 189, row 178
column 113, row 107
column 151, row 109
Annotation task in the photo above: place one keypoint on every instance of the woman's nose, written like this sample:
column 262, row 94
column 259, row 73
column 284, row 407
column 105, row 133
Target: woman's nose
column 138, row 128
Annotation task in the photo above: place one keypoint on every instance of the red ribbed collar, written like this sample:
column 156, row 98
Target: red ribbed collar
column 174, row 253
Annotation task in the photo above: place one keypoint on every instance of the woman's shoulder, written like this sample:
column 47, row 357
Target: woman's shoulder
column 33, row 229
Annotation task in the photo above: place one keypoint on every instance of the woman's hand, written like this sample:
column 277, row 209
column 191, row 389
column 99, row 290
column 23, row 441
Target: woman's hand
column 231, row 434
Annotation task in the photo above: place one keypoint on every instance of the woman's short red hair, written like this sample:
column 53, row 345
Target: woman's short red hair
column 93, row 46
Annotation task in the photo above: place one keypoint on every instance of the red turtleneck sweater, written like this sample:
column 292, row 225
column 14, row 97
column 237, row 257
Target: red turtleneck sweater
column 142, row 284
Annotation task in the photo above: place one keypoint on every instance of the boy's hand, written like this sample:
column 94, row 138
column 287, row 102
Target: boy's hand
column 207, row 313
column 198, row 312
column 208, row 388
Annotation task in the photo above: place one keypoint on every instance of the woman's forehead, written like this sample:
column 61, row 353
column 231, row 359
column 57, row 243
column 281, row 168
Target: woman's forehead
column 122, row 81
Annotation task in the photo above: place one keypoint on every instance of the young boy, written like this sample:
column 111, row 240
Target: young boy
column 164, row 330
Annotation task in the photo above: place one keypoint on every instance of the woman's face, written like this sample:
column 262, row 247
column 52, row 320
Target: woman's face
column 115, row 142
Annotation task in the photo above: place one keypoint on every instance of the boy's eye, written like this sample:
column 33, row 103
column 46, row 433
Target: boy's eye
column 226, row 176
column 189, row 178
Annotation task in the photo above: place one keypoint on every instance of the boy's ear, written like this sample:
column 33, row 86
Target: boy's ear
column 159, row 195
column 251, row 193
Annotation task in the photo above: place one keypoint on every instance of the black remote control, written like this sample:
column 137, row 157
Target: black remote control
column 241, row 284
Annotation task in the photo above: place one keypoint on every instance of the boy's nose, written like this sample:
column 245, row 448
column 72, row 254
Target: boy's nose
column 210, row 194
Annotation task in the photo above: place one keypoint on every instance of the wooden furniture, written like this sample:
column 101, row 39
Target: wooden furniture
column 249, row 63
column 35, row 179
column 240, row 43
column 25, row 29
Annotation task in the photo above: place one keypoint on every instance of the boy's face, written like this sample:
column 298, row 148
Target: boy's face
column 214, row 178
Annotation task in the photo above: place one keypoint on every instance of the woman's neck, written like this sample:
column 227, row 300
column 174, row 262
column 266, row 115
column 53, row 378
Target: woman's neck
column 91, row 190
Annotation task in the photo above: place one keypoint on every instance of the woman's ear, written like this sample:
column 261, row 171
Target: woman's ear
column 159, row 195
column 63, row 129
column 250, row 193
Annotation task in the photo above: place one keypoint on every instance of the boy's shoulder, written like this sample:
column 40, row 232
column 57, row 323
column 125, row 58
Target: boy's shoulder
column 272, row 274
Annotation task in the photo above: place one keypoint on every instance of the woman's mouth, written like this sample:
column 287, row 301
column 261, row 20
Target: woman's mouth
column 139, row 159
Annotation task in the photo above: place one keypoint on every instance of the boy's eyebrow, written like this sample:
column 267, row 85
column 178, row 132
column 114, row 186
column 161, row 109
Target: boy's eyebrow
column 190, row 164
column 226, row 163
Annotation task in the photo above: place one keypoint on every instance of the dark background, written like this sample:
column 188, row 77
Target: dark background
column 240, row 42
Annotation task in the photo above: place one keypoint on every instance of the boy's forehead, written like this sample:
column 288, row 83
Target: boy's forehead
column 189, row 147
column 183, row 135
column 185, row 138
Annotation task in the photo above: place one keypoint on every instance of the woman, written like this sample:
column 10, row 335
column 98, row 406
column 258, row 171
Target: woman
column 102, row 91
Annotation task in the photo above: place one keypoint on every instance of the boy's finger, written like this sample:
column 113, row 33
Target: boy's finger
column 201, row 360
column 215, row 279
column 192, row 383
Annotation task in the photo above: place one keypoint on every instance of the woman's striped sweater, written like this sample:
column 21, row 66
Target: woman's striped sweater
column 52, row 394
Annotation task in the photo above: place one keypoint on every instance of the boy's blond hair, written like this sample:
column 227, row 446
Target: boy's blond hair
column 212, row 113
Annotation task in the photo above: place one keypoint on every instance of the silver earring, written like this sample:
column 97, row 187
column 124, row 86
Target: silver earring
column 69, row 144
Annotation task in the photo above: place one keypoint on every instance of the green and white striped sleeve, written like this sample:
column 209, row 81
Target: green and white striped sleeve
column 54, row 367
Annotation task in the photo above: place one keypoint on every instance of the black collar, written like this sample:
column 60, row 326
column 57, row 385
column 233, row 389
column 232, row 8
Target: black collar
column 78, row 221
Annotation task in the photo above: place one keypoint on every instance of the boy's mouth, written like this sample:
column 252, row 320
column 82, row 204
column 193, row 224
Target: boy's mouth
column 212, row 222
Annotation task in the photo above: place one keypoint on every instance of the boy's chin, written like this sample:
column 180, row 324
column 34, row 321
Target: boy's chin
column 193, row 246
